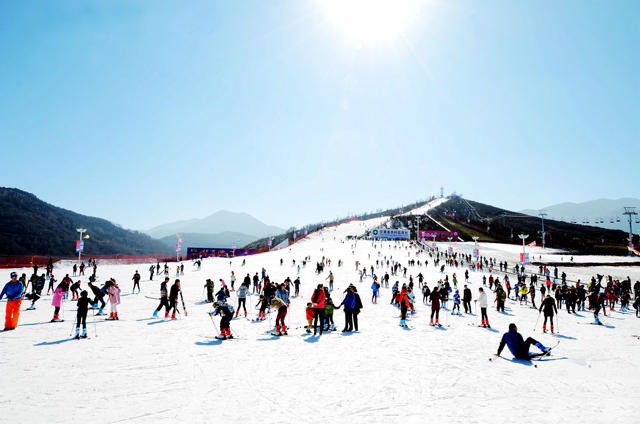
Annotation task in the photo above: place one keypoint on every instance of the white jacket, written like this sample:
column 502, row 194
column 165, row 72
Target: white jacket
column 483, row 300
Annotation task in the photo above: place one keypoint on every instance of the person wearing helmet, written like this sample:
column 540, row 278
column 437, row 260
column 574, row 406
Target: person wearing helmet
column 13, row 290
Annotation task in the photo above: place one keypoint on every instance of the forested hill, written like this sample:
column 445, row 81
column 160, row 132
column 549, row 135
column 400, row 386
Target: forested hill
column 29, row 226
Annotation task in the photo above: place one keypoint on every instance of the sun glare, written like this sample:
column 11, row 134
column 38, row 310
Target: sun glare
column 371, row 20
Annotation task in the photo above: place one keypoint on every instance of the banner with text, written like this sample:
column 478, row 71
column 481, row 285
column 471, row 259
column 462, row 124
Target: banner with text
column 439, row 235
column 390, row 234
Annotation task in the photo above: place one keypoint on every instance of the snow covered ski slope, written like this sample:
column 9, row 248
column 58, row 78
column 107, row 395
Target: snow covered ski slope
column 141, row 369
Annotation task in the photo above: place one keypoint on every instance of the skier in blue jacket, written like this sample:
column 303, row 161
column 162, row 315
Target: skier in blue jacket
column 13, row 291
column 519, row 347
column 375, row 287
column 283, row 294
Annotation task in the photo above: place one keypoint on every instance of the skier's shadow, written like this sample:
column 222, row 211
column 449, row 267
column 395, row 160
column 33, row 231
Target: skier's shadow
column 213, row 342
column 266, row 339
column 54, row 342
column 520, row 361
column 312, row 339
column 158, row 322
column 562, row 336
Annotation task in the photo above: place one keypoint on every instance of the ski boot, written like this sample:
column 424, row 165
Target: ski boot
column 552, row 330
column 77, row 337
column 155, row 314
column 543, row 348
column 283, row 329
column 544, row 328
column 229, row 335
column 84, row 333
column 173, row 316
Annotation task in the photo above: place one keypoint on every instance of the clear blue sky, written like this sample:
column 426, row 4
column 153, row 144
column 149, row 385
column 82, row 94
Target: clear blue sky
column 145, row 112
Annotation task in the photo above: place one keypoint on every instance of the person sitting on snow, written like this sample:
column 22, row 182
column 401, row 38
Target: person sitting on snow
column 519, row 347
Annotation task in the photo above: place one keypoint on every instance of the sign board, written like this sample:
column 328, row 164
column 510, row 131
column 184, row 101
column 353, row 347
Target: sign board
column 390, row 234
column 450, row 250
column 524, row 259
column 439, row 235
column 194, row 252
column 79, row 246
column 476, row 253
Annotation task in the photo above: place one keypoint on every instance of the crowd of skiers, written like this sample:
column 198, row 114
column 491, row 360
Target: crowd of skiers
column 554, row 291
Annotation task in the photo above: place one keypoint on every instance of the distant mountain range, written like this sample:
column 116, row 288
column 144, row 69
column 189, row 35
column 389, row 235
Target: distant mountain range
column 220, row 229
column 588, row 213
column 225, row 239
column 29, row 226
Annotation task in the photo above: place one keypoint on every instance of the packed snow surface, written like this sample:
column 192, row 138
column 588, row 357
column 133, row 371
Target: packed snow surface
column 146, row 370
column 426, row 207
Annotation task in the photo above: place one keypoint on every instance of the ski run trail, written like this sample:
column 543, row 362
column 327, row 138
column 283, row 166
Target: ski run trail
column 151, row 370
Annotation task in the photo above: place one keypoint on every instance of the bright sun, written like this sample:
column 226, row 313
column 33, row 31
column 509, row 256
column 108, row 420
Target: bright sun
column 371, row 20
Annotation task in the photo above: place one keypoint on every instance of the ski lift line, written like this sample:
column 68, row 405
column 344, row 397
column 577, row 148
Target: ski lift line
column 446, row 229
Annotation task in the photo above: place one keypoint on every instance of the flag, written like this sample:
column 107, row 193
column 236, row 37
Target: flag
column 532, row 244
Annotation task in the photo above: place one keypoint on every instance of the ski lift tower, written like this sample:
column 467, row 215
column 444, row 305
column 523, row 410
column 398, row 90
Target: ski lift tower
column 631, row 212
column 542, row 215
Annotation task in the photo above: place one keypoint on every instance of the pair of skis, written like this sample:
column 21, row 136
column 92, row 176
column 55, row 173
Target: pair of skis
column 535, row 357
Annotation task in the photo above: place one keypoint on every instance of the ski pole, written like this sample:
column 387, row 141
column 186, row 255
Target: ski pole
column 558, row 322
column 213, row 322
column 73, row 325
column 95, row 323
column 534, row 327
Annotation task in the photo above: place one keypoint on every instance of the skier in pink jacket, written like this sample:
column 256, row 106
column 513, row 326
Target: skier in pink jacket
column 114, row 299
column 56, row 302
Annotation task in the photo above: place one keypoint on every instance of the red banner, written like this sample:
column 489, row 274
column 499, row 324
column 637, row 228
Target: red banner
column 439, row 235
